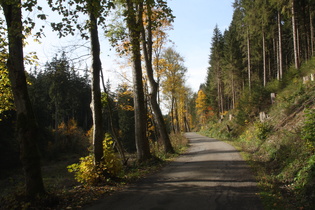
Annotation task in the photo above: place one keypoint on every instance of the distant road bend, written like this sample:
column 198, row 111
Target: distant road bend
column 210, row 176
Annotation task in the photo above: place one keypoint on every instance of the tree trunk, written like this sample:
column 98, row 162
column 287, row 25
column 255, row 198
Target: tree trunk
column 219, row 98
column 142, row 143
column 147, row 49
column 220, row 91
column 312, row 33
column 233, row 91
column 295, row 38
column 264, row 59
column 248, row 61
column 172, row 114
column 27, row 127
column 96, row 104
column 118, row 143
column 176, row 117
column 280, row 47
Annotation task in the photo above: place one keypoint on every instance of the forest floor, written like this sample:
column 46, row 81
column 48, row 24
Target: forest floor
column 64, row 192
column 59, row 184
column 211, row 175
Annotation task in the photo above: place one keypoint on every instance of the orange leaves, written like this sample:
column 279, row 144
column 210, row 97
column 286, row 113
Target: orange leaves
column 201, row 100
column 126, row 107
column 203, row 110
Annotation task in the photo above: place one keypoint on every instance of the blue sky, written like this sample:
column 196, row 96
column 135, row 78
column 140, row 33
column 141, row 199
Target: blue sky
column 192, row 33
column 193, row 30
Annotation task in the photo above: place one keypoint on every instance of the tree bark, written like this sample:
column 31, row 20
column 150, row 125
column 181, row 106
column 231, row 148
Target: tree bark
column 295, row 37
column 147, row 49
column 264, row 59
column 233, row 91
column 280, row 47
column 312, row 33
column 172, row 114
column 118, row 143
column 176, row 117
column 248, row 61
column 96, row 104
column 142, row 143
column 27, row 127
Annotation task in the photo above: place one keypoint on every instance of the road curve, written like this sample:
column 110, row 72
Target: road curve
column 210, row 176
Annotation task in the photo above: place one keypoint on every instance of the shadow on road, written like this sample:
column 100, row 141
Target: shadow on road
column 212, row 175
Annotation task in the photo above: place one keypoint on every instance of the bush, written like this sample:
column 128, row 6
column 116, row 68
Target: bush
column 304, row 183
column 308, row 129
column 262, row 130
column 87, row 173
column 251, row 103
column 67, row 138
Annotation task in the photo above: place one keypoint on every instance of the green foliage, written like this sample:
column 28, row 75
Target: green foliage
column 126, row 117
column 308, row 129
column 262, row 130
column 178, row 141
column 274, row 86
column 86, row 172
column 304, row 181
column 216, row 130
column 71, row 10
column 252, row 102
column 59, row 93
column 6, row 96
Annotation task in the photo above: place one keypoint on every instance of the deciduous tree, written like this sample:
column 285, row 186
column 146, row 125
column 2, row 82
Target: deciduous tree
column 173, row 83
column 96, row 11
column 134, row 22
column 26, row 126
column 148, row 26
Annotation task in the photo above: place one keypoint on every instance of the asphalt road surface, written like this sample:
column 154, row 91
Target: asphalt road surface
column 211, row 175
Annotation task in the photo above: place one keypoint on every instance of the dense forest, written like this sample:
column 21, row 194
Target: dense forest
column 60, row 114
column 258, row 94
column 263, row 43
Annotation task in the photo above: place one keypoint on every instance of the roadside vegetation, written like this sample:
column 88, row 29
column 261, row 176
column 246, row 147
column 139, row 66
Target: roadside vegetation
column 68, row 141
column 78, row 141
column 281, row 148
column 72, row 182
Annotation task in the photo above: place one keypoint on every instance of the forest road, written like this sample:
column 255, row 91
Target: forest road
column 210, row 175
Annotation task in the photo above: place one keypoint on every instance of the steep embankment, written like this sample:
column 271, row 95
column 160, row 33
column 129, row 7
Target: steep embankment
column 281, row 148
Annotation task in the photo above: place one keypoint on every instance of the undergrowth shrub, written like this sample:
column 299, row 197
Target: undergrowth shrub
column 178, row 141
column 304, row 183
column 308, row 129
column 262, row 130
column 216, row 130
column 252, row 102
column 67, row 138
column 86, row 172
